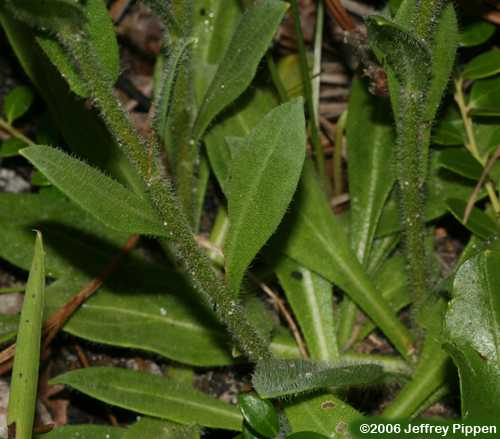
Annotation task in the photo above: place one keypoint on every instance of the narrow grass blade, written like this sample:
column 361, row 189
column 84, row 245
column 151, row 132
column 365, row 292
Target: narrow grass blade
column 22, row 403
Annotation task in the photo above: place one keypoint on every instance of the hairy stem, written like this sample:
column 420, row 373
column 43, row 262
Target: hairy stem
column 194, row 263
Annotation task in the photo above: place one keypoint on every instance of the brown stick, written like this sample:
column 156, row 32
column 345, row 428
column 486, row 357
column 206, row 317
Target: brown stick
column 340, row 15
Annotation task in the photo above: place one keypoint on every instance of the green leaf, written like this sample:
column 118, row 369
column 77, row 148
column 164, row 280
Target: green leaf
column 324, row 414
column 260, row 415
column 8, row 327
column 23, row 391
column 150, row 428
column 84, row 432
column 153, row 395
column 370, row 178
column 460, row 161
column 476, row 32
column 17, row 102
column 11, row 147
column 485, row 97
column 483, row 66
column 106, row 199
column 311, row 299
column 265, row 170
column 248, row 44
column 237, row 121
column 276, row 378
column 472, row 332
column 99, row 30
column 478, row 222
column 317, row 240
column 166, row 317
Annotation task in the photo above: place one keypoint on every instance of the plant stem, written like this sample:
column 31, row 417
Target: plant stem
column 278, row 83
column 14, row 132
column 194, row 263
column 471, row 142
column 308, row 93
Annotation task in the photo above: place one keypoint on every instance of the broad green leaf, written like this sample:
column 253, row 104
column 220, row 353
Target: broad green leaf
column 472, row 332
column 152, row 395
column 151, row 428
column 277, row 378
column 370, row 142
column 11, row 147
column 265, row 170
column 460, row 161
column 260, row 415
column 84, row 432
column 485, row 97
column 83, row 131
column 103, row 197
column 483, row 66
column 476, row 32
column 165, row 315
column 239, row 64
column 237, row 121
column 17, row 102
column 478, row 222
column 99, row 30
column 23, row 391
column 325, row 414
column 316, row 239
column 311, row 299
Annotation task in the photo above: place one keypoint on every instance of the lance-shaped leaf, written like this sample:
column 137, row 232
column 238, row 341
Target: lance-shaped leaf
column 103, row 197
column 17, row 102
column 483, row 66
column 472, row 332
column 265, row 169
column 153, row 395
column 250, row 41
column 22, row 402
column 151, row 428
column 163, row 313
column 460, row 161
column 322, row 414
column 260, row 415
column 98, row 28
column 276, row 378
column 311, row 299
column 316, row 238
column 370, row 142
